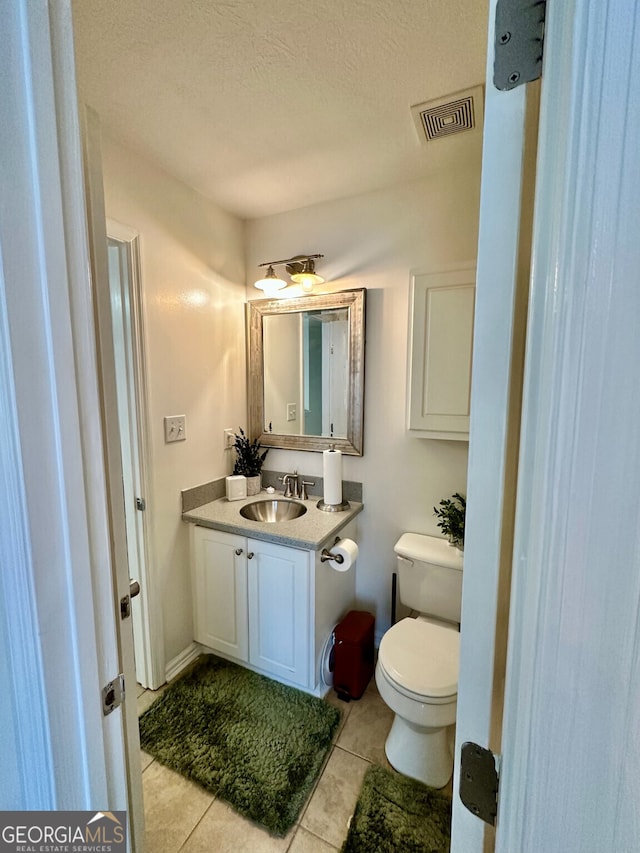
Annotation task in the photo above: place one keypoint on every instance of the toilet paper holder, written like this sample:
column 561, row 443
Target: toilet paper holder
column 326, row 554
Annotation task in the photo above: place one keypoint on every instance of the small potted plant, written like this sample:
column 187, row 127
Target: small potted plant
column 249, row 461
column 451, row 514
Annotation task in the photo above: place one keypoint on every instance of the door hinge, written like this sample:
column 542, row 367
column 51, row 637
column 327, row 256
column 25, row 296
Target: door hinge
column 479, row 780
column 113, row 694
column 519, row 39
column 141, row 504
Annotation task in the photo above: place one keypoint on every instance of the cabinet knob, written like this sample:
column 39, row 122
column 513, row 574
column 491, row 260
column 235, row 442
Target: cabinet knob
column 238, row 552
column 249, row 555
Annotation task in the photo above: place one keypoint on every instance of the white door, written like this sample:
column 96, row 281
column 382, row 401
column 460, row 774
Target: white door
column 67, row 640
column 335, row 359
column 570, row 749
column 570, row 741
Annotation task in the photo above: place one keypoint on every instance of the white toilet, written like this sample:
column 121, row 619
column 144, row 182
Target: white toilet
column 417, row 669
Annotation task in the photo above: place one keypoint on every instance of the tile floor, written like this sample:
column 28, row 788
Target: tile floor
column 181, row 816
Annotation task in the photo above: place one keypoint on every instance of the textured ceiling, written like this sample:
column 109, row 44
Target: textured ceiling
column 271, row 106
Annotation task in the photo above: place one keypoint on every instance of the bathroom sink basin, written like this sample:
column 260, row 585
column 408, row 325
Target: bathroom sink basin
column 271, row 510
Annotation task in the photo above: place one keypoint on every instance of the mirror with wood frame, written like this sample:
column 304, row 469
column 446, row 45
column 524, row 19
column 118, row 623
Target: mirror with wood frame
column 306, row 371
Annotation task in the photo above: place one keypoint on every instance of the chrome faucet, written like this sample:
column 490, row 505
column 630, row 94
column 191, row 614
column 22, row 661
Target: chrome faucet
column 293, row 488
column 289, row 491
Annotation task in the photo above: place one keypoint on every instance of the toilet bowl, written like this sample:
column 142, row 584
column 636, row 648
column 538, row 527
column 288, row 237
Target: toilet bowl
column 417, row 677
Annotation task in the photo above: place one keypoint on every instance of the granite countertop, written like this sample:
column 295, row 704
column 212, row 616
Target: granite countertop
column 312, row 531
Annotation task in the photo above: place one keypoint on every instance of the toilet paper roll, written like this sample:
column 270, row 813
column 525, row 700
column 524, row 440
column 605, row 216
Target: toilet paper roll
column 348, row 550
column 332, row 476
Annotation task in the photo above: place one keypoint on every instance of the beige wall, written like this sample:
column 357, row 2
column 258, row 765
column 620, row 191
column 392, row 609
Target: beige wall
column 375, row 241
column 193, row 291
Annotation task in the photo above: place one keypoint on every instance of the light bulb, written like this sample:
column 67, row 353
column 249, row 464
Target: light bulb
column 307, row 281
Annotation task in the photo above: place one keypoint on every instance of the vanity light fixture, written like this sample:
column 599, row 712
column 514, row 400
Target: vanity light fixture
column 301, row 268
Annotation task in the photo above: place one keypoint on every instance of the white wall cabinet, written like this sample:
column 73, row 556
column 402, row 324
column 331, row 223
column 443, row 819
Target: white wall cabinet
column 268, row 606
column 440, row 351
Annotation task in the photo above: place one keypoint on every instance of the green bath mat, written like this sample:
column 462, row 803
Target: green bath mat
column 395, row 814
column 251, row 741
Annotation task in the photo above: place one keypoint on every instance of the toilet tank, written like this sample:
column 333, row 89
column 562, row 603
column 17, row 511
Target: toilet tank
column 429, row 576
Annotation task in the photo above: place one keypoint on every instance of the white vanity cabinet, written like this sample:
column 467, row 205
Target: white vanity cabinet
column 266, row 605
column 440, row 350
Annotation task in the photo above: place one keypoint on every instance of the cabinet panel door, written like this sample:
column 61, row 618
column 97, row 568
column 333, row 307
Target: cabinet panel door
column 440, row 356
column 220, row 592
column 279, row 610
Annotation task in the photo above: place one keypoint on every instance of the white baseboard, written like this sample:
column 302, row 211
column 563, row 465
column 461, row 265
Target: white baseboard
column 181, row 661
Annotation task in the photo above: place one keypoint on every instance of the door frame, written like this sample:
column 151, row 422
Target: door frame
column 494, row 427
column 146, row 609
column 110, row 459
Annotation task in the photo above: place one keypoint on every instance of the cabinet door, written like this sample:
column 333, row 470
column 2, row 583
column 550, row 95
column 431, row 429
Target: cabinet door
column 441, row 332
column 279, row 610
column 220, row 592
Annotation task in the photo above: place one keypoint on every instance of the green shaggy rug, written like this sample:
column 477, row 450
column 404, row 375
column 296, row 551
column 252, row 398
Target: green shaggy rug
column 249, row 740
column 395, row 814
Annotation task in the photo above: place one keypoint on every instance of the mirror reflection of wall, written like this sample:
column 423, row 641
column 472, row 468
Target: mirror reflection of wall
column 282, row 374
column 306, row 373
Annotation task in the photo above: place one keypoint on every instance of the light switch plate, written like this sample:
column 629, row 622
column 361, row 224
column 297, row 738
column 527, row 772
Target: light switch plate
column 175, row 428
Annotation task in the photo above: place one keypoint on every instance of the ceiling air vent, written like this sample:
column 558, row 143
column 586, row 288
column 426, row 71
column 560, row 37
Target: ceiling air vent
column 449, row 115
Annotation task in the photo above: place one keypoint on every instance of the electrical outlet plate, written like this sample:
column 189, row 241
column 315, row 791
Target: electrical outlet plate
column 291, row 411
column 229, row 439
column 175, row 428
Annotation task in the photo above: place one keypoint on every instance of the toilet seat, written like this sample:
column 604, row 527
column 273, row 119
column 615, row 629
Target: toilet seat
column 421, row 659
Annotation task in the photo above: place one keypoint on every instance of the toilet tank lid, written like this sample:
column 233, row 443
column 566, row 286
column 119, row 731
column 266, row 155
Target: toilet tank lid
column 428, row 549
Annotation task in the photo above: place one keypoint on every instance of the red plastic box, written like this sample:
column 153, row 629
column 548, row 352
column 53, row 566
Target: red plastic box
column 353, row 654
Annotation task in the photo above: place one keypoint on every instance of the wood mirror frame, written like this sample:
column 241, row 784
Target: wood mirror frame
column 257, row 310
